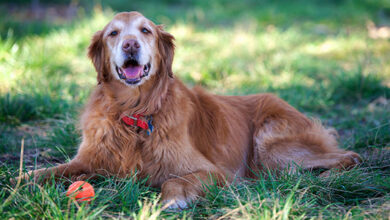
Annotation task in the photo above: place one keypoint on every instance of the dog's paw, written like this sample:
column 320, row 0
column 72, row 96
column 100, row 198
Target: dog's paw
column 347, row 161
column 350, row 160
column 175, row 195
column 26, row 177
column 174, row 204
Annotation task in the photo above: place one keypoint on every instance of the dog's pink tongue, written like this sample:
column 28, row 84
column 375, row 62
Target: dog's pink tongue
column 133, row 72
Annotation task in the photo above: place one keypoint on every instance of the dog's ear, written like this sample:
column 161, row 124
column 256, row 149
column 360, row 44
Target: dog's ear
column 97, row 55
column 166, row 48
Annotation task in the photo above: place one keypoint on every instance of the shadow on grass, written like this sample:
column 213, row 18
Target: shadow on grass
column 345, row 89
column 18, row 108
column 357, row 86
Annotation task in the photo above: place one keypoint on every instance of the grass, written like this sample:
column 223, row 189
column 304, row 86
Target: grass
column 317, row 55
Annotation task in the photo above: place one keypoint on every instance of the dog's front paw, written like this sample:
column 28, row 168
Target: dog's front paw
column 174, row 204
column 37, row 176
column 23, row 178
column 177, row 195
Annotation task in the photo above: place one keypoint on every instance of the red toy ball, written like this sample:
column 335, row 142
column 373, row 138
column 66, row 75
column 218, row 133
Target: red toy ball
column 81, row 191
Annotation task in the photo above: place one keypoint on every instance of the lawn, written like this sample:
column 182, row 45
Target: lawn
column 328, row 58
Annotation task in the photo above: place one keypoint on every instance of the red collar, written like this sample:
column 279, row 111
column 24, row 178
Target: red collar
column 136, row 121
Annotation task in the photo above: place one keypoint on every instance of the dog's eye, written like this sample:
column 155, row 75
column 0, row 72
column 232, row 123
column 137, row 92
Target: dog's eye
column 145, row 31
column 113, row 33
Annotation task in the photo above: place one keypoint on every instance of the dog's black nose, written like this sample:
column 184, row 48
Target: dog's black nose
column 131, row 46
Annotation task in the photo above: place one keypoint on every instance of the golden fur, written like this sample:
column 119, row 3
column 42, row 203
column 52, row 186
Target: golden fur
column 198, row 136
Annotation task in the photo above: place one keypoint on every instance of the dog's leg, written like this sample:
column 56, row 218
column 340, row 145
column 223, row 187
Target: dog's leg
column 284, row 138
column 177, row 193
column 308, row 150
column 290, row 155
column 75, row 170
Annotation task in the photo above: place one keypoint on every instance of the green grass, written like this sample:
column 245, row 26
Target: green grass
column 317, row 55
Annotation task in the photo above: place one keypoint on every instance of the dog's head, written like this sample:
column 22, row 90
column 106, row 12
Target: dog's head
column 131, row 49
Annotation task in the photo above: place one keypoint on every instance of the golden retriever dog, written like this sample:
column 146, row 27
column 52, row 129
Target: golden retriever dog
column 141, row 120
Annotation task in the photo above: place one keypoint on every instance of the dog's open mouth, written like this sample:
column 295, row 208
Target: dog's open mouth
column 132, row 73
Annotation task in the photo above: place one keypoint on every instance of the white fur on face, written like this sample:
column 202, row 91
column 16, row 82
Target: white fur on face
column 130, row 30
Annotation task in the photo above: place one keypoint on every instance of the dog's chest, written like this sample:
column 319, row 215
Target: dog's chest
column 165, row 158
column 161, row 163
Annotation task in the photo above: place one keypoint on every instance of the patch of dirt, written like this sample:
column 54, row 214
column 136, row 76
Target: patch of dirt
column 32, row 158
column 377, row 158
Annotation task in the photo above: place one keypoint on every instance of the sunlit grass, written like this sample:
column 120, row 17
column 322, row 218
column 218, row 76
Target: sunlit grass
column 223, row 59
